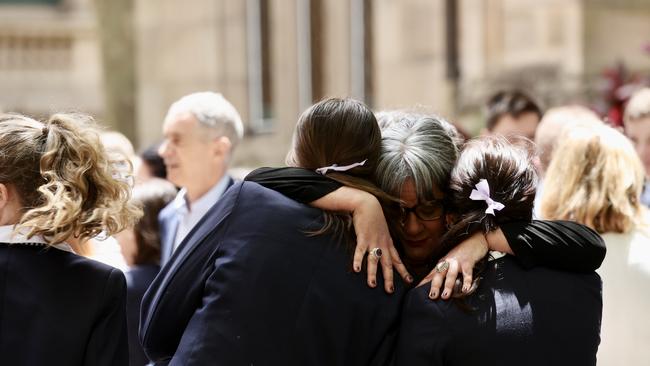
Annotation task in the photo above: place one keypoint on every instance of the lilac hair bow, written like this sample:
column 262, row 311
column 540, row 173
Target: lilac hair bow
column 337, row 168
column 482, row 193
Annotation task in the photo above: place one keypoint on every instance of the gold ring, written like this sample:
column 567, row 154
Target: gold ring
column 442, row 266
column 375, row 252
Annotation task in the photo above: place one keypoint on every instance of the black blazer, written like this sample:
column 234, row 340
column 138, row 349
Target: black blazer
column 138, row 279
column 520, row 317
column 249, row 286
column 59, row 308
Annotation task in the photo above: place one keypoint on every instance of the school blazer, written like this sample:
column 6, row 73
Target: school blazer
column 59, row 308
column 250, row 286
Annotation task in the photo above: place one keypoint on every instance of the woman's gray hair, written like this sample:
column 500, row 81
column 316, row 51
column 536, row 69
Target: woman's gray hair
column 212, row 111
column 417, row 146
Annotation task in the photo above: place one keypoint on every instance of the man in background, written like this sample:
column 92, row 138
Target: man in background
column 200, row 133
column 512, row 112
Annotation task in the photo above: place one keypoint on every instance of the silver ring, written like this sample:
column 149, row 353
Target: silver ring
column 442, row 266
column 375, row 252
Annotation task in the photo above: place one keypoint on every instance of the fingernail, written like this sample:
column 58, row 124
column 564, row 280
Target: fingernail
column 409, row 279
column 373, row 283
column 433, row 294
column 391, row 289
column 465, row 288
column 357, row 269
column 444, row 294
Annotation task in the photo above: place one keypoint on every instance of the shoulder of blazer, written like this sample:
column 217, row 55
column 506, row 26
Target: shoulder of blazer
column 157, row 294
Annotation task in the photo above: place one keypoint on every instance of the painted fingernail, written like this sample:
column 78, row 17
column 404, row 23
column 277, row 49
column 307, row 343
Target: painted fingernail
column 391, row 289
column 373, row 283
column 444, row 294
column 357, row 269
column 433, row 294
column 409, row 279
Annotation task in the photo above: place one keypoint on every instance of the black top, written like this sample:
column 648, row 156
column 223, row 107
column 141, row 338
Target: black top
column 563, row 245
column 517, row 317
column 250, row 286
column 59, row 308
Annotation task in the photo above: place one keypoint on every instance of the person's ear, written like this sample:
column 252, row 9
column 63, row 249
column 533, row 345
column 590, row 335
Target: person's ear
column 8, row 210
column 4, row 196
column 222, row 145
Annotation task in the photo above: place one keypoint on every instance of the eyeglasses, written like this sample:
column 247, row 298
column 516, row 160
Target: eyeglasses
column 426, row 211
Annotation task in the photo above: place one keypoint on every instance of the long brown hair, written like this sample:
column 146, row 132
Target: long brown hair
column 507, row 166
column 153, row 195
column 342, row 132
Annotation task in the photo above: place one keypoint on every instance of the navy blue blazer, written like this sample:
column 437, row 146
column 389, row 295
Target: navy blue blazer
column 168, row 221
column 250, row 286
column 59, row 308
column 520, row 317
column 138, row 279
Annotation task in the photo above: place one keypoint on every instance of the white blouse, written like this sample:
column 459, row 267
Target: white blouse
column 8, row 234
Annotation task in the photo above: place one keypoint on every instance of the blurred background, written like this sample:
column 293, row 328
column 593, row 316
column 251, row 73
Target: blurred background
column 126, row 61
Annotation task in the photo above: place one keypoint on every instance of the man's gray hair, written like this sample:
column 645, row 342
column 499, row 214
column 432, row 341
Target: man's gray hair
column 417, row 146
column 213, row 111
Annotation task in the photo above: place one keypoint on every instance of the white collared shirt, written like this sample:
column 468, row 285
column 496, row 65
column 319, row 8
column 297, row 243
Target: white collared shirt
column 188, row 215
column 645, row 195
column 8, row 235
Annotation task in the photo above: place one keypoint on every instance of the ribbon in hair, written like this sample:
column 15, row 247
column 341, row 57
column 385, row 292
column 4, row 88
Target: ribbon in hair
column 337, row 168
column 482, row 193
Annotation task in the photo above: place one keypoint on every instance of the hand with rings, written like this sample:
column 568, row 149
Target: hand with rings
column 461, row 259
column 373, row 237
column 442, row 266
column 374, row 240
column 375, row 252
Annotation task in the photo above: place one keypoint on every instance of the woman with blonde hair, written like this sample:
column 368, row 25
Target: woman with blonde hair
column 597, row 180
column 57, row 184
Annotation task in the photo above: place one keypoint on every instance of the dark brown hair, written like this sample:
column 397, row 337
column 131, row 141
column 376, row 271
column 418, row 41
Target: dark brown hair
column 512, row 102
column 511, row 176
column 343, row 132
column 153, row 161
column 153, row 195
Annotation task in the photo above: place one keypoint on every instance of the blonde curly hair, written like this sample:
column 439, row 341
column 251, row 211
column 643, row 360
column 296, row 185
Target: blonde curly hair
column 596, row 179
column 68, row 186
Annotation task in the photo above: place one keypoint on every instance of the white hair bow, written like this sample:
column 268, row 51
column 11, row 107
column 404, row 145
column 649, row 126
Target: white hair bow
column 482, row 193
column 337, row 168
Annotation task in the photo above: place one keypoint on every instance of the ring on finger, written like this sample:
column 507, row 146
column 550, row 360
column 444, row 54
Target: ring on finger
column 442, row 266
column 375, row 252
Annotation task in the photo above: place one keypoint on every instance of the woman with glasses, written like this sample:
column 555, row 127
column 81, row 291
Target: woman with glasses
column 508, row 315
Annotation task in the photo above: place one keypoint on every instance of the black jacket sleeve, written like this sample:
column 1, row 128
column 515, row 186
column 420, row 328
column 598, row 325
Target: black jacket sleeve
column 107, row 344
column 564, row 245
column 299, row 184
